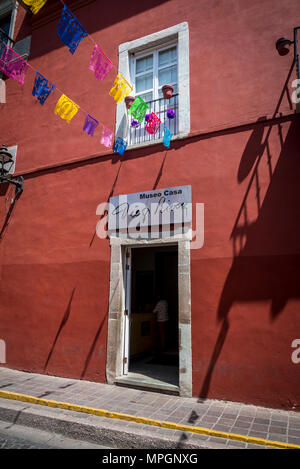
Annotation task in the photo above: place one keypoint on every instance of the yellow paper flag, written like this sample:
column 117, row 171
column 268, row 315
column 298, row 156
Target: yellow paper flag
column 35, row 5
column 121, row 88
column 66, row 108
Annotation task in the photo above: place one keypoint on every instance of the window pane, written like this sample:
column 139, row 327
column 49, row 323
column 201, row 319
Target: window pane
column 146, row 97
column 144, row 82
column 5, row 26
column 167, row 56
column 167, row 75
column 145, row 64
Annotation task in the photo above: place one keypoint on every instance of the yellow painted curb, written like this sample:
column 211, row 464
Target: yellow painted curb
column 144, row 420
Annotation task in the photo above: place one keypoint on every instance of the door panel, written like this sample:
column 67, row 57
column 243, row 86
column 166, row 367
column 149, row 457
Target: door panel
column 127, row 304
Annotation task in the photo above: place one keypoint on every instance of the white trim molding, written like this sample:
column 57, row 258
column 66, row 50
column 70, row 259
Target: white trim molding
column 179, row 33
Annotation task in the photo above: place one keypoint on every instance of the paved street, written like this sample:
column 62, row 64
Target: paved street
column 219, row 416
column 19, row 437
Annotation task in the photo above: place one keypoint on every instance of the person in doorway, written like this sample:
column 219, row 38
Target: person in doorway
column 161, row 311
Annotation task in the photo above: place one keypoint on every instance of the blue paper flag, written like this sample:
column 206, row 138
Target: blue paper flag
column 167, row 136
column 41, row 88
column 120, row 146
column 70, row 30
column 90, row 125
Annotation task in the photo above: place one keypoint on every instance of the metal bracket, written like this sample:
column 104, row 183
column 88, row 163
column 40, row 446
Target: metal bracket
column 296, row 55
column 18, row 182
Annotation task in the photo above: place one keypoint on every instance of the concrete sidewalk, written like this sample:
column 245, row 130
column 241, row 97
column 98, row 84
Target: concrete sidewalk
column 217, row 416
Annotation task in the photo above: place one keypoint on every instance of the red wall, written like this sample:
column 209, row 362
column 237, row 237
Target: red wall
column 55, row 271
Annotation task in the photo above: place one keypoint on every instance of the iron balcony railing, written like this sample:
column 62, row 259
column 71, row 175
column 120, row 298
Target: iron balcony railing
column 160, row 107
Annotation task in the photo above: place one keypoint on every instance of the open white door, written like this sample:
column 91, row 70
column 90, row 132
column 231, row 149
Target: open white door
column 127, row 303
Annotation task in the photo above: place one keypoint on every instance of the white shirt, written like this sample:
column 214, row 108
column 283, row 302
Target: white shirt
column 161, row 309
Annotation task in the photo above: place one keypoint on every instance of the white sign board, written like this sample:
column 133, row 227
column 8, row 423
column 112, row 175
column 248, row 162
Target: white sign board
column 172, row 205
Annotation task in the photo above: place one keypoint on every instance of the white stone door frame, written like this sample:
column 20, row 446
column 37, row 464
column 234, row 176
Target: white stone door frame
column 115, row 332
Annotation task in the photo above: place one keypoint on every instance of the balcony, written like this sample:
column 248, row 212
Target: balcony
column 5, row 39
column 138, row 135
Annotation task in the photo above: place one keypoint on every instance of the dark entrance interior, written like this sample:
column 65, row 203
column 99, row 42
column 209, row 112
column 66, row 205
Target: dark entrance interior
column 154, row 273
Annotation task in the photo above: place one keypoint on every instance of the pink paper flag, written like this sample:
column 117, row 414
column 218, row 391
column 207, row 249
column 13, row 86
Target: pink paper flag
column 153, row 124
column 106, row 137
column 12, row 65
column 100, row 63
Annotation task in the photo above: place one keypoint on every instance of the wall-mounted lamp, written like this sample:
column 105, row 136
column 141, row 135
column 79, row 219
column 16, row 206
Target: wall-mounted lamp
column 283, row 48
column 5, row 159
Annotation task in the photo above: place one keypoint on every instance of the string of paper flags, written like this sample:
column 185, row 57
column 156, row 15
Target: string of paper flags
column 71, row 33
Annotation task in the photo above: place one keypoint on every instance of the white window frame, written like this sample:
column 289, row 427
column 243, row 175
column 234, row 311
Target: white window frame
column 155, row 51
column 9, row 6
column 178, row 34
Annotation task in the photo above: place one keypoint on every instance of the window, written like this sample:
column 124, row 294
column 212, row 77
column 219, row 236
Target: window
column 8, row 10
column 150, row 71
column 5, row 27
column 7, row 20
column 148, row 64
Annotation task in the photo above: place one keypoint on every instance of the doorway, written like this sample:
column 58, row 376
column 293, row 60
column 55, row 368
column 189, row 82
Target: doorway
column 124, row 366
column 153, row 350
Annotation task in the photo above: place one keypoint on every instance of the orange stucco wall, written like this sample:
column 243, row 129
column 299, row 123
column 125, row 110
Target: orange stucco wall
column 245, row 169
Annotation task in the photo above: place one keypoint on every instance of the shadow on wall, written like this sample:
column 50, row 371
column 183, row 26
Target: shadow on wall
column 62, row 324
column 67, row 313
column 276, row 229
column 273, row 274
column 94, row 17
column 266, row 261
column 8, row 200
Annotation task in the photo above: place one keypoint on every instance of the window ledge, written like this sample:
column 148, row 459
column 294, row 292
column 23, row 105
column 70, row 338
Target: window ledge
column 149, row 143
